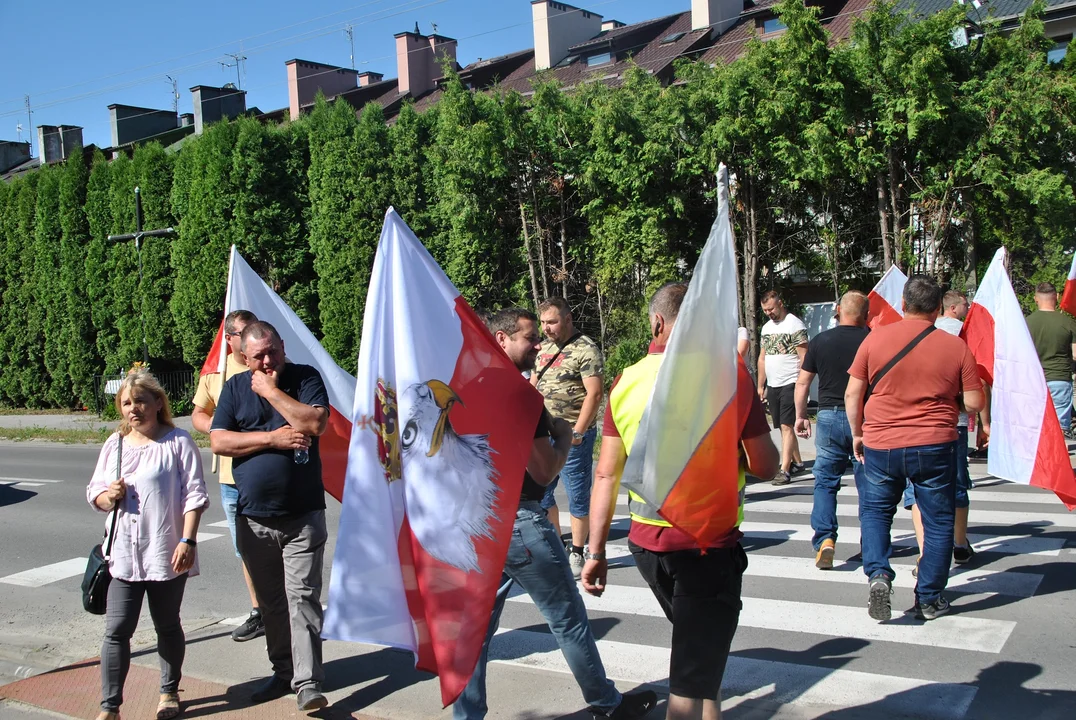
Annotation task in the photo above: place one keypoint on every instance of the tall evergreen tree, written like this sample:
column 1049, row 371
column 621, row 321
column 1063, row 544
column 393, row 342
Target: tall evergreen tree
column 202, row 196
column 83, row 359
column 99, row 262
column 334, row 216
column 50, row 307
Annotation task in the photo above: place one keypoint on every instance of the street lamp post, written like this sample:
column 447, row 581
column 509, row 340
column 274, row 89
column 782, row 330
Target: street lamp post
column 138, row 236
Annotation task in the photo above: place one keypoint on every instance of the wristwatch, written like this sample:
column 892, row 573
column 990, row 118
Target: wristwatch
column 577, row 435
column 588, row 555
column 189, row 541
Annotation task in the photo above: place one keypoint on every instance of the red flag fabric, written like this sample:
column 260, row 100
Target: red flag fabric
column 886, row 299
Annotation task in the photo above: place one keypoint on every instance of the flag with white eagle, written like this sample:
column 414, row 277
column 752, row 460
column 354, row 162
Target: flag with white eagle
column 443, row 428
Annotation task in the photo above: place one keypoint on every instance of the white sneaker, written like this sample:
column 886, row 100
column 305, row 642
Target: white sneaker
column 576, row 562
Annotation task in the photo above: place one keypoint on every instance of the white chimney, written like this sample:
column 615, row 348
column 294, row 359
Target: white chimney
column 718, row 15
column 557, row 27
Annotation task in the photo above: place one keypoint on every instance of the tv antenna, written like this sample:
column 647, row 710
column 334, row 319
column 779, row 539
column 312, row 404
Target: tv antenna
column 29, row 126
column 350, row 32
column 175, row 94
column 237, row 62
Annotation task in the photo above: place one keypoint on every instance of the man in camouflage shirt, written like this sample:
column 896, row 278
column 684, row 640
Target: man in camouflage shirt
column 568, row 373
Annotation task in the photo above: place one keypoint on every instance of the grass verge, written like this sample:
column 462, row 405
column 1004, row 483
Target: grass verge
column 73, row 437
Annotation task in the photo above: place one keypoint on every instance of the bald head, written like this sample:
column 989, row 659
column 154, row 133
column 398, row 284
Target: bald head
column 853, row 308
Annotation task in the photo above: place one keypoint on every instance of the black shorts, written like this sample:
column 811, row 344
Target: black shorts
column 700, row 595
column 782, row 402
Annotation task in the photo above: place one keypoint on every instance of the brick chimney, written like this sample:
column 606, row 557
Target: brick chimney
column 212, row 104
column 56, row 143
column 419, row 58
column 717, row 15
column 557, row 27
column 305, row 78
column 370, row 78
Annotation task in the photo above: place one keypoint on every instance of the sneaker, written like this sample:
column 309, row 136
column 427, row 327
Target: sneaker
column 632, row 705
column 879, row 605
column 251, row 628
column 933, row 610
column 963, row 554
column 824, row 559
column 797, row 468
column 575, row 562
column 782, row 478
column 310, row 698
column 273, row 688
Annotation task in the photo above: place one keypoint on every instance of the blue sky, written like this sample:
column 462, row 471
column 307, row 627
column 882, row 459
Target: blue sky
column 74, row 62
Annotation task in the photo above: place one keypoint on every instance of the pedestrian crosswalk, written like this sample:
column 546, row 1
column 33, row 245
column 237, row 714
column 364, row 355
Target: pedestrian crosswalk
column 804, row 635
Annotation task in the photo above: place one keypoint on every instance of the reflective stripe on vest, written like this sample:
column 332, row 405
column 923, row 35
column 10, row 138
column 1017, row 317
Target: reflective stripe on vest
column 627, row 402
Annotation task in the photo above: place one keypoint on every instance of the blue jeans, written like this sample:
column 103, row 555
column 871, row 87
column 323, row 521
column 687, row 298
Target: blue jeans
column 1061, row 392
column 930, row 468
column 963, row 475
column 578, row 473
column 229, row 499
column 537, row 561
column 833, row 445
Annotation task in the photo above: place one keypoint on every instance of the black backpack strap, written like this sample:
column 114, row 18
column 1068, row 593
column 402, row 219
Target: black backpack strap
column 553, row 359
column 896, row 359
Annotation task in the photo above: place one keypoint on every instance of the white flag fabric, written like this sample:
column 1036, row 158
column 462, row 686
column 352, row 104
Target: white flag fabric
column 887, row 298
column 443, row 428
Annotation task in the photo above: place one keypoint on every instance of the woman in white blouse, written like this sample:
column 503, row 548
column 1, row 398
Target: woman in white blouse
column 159, row 499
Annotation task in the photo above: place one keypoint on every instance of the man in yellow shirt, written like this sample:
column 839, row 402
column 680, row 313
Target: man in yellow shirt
column 205, row 402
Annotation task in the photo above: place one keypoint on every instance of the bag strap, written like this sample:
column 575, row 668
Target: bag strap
column 115, row 510
column 896, row 359
column 553, row 359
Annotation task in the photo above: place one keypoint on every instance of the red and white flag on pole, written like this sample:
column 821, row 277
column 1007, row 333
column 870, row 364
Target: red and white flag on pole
column 887, row 299
column 685, row 457
column 443, row 429
column 1068, row 297
column 247, row 291
column 1026, row 444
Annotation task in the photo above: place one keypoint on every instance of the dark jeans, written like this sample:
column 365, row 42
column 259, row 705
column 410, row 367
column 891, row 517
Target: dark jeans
column 121, row 619
column 931, row 469
column 284, row 557
column 833, row 444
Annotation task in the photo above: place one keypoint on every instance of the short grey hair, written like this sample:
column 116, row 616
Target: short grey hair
column 667, row 300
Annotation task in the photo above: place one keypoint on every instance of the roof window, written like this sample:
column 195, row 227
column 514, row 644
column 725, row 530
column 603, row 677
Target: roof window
column 599, row 59
column 669, row 39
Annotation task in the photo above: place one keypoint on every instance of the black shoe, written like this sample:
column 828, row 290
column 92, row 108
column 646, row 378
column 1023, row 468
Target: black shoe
column 633, row 705
column 934, row 610
column 310, row 698
column 797, row 468
column 879, row 605
column 252, row 628
column 782, row 478
column 273, row 688
column 963, row 554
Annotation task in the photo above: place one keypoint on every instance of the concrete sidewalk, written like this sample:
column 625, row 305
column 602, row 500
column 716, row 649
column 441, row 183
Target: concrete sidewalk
column 362, row 682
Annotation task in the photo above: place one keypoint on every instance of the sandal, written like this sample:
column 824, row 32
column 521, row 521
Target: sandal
column 168, row 707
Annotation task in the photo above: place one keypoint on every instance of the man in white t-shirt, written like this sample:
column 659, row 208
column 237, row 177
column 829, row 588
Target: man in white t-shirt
column 784, row 343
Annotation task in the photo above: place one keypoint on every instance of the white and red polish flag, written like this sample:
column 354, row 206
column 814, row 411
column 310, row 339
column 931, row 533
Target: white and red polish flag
column 443, row 428
column 685, row 456
column 1026, row 444
column 1068, row 297
column 887, row 299
column 247, row 291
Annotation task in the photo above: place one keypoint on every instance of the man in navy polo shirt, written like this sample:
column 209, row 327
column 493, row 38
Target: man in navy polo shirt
column 269, row 421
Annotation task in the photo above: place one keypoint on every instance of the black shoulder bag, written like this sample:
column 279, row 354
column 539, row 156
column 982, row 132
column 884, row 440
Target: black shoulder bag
column 553, row 359
column 96, row 579
column 896, row 359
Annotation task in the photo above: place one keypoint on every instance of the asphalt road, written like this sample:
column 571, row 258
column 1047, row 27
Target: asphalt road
column 805, row 644
column 45, row 519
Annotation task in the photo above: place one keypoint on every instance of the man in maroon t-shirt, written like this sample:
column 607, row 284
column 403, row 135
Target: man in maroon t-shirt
column 698, row 591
